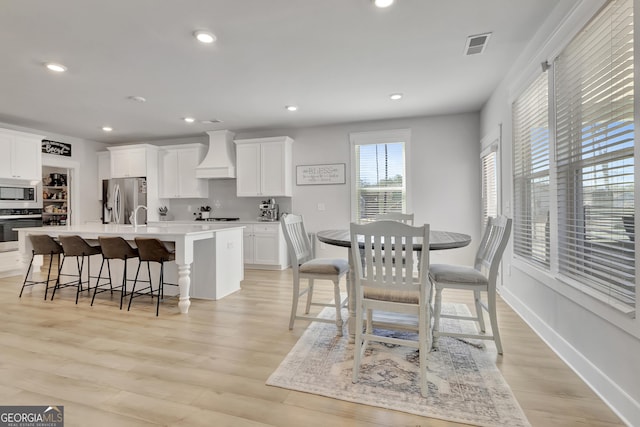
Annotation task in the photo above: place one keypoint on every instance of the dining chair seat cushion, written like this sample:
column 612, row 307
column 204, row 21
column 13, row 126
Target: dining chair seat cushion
column 458, row 274
column 325, row 266
column 404, row 297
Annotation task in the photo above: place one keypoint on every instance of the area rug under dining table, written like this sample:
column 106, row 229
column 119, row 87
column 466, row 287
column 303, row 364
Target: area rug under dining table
column 465, row 385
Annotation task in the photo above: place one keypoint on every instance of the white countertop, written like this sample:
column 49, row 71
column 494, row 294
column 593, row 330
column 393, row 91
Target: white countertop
column 223, row 223
column 157, row 229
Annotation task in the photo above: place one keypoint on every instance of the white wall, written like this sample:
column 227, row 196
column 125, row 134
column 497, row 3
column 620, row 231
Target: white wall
column 443, row 148
column 601, row 344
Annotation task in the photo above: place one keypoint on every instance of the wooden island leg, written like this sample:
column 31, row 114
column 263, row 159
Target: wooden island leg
column 184, row 282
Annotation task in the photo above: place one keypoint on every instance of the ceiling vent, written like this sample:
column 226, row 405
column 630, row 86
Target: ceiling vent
column 476, row 44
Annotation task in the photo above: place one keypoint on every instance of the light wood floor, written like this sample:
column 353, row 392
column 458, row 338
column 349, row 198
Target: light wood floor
column 208, row 368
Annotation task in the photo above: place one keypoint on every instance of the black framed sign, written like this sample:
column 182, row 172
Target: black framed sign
column 55, row 147
column 326, row 174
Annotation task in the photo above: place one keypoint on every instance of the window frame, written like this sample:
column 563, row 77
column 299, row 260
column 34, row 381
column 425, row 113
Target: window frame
column 491, row 145
column 379, row 137
column 581, row 294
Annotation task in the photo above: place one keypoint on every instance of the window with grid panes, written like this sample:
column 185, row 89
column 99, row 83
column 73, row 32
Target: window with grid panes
column 379, row 183
column 594, row 102
column 531, row 173
column 489, row 185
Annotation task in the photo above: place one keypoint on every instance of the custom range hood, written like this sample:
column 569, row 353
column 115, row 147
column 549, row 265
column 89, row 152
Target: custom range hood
column 220, row 161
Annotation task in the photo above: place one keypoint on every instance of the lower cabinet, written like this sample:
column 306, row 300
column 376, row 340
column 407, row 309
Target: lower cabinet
column 265, row 247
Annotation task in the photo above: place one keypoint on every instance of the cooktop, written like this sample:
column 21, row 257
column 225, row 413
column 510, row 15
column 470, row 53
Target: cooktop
column 217, row 219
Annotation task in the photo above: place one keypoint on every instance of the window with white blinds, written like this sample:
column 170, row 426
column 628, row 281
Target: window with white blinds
column 594, row 102
column 379, row 174
column 489, row 185
column 531, row 173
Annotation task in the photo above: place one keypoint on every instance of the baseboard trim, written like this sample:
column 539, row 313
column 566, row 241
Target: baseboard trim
column 616, row 398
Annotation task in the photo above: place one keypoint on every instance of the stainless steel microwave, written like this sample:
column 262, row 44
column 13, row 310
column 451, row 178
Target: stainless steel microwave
column 20, row 194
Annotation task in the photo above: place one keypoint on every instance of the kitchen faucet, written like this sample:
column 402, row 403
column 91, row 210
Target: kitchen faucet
column 134, row 215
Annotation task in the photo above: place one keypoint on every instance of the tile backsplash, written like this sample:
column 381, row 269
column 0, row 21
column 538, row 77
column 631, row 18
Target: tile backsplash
column 223, row 202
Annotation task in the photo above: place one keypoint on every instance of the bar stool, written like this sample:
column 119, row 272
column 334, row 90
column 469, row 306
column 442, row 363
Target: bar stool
column 42, row 245
column 114, row 248
column 77, row 247
column 152, row 250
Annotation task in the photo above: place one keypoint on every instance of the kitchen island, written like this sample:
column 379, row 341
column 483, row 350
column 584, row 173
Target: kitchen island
column 208, row 257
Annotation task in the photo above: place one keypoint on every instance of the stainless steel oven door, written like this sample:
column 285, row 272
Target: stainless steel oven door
column 9, row 237
column 20, row 194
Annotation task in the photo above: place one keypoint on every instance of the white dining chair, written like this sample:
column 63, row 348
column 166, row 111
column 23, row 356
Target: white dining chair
column 405, row 218
column 306, row 266
column 479, row 278
column 387, row 287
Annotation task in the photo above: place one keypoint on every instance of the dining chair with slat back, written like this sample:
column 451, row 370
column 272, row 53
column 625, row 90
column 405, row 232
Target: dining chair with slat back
column 404, row 218
column 306, row 266
column 479, row 278
column 384, row 286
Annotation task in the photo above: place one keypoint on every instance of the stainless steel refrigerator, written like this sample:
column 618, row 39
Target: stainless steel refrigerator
column 120, row 197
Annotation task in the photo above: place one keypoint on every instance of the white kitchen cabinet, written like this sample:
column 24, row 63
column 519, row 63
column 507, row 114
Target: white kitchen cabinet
column 21, row 155
column 264, row 246
column 138, row 160
column 264, row 167
column 178, row 172
column 128, row 161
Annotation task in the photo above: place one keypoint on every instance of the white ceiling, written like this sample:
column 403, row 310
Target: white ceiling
column 338, row 60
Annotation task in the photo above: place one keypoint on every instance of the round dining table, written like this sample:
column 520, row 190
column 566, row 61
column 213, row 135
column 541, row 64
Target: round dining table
column 438, row 240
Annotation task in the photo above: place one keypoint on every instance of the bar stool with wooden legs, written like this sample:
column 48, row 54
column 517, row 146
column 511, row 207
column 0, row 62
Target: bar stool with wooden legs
column 42, row 245
column 114, row 248
column 81, row 250
column 152, row 250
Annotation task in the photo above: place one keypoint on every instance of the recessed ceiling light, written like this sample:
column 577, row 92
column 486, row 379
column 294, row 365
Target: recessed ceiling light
column 58, row 68
column 395, row 96
column 204, row 36
column 137, row 98
column 210, row 121
column 107, row 128
column 383, row 3
column 189, row 119
column 291, row 108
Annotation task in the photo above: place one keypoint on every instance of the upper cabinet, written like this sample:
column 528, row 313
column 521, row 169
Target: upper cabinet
column 129, row 160
column 264, row 167
column 138, row 160
column 178, row 172
column 21, row 155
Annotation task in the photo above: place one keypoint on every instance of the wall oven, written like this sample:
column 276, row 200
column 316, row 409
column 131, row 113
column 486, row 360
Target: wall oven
column 11, row 219
column 20, row 207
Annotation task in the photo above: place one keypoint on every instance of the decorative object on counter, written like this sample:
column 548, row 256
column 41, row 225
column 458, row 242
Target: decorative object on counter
column 205, row 212
column 268, row 210
column 163, row 210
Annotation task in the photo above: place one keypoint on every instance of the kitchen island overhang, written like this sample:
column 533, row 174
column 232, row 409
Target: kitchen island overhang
column 208, row 257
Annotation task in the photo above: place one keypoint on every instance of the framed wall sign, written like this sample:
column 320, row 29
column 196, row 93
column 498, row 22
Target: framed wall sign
column 55, row 147
column 321, row 174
